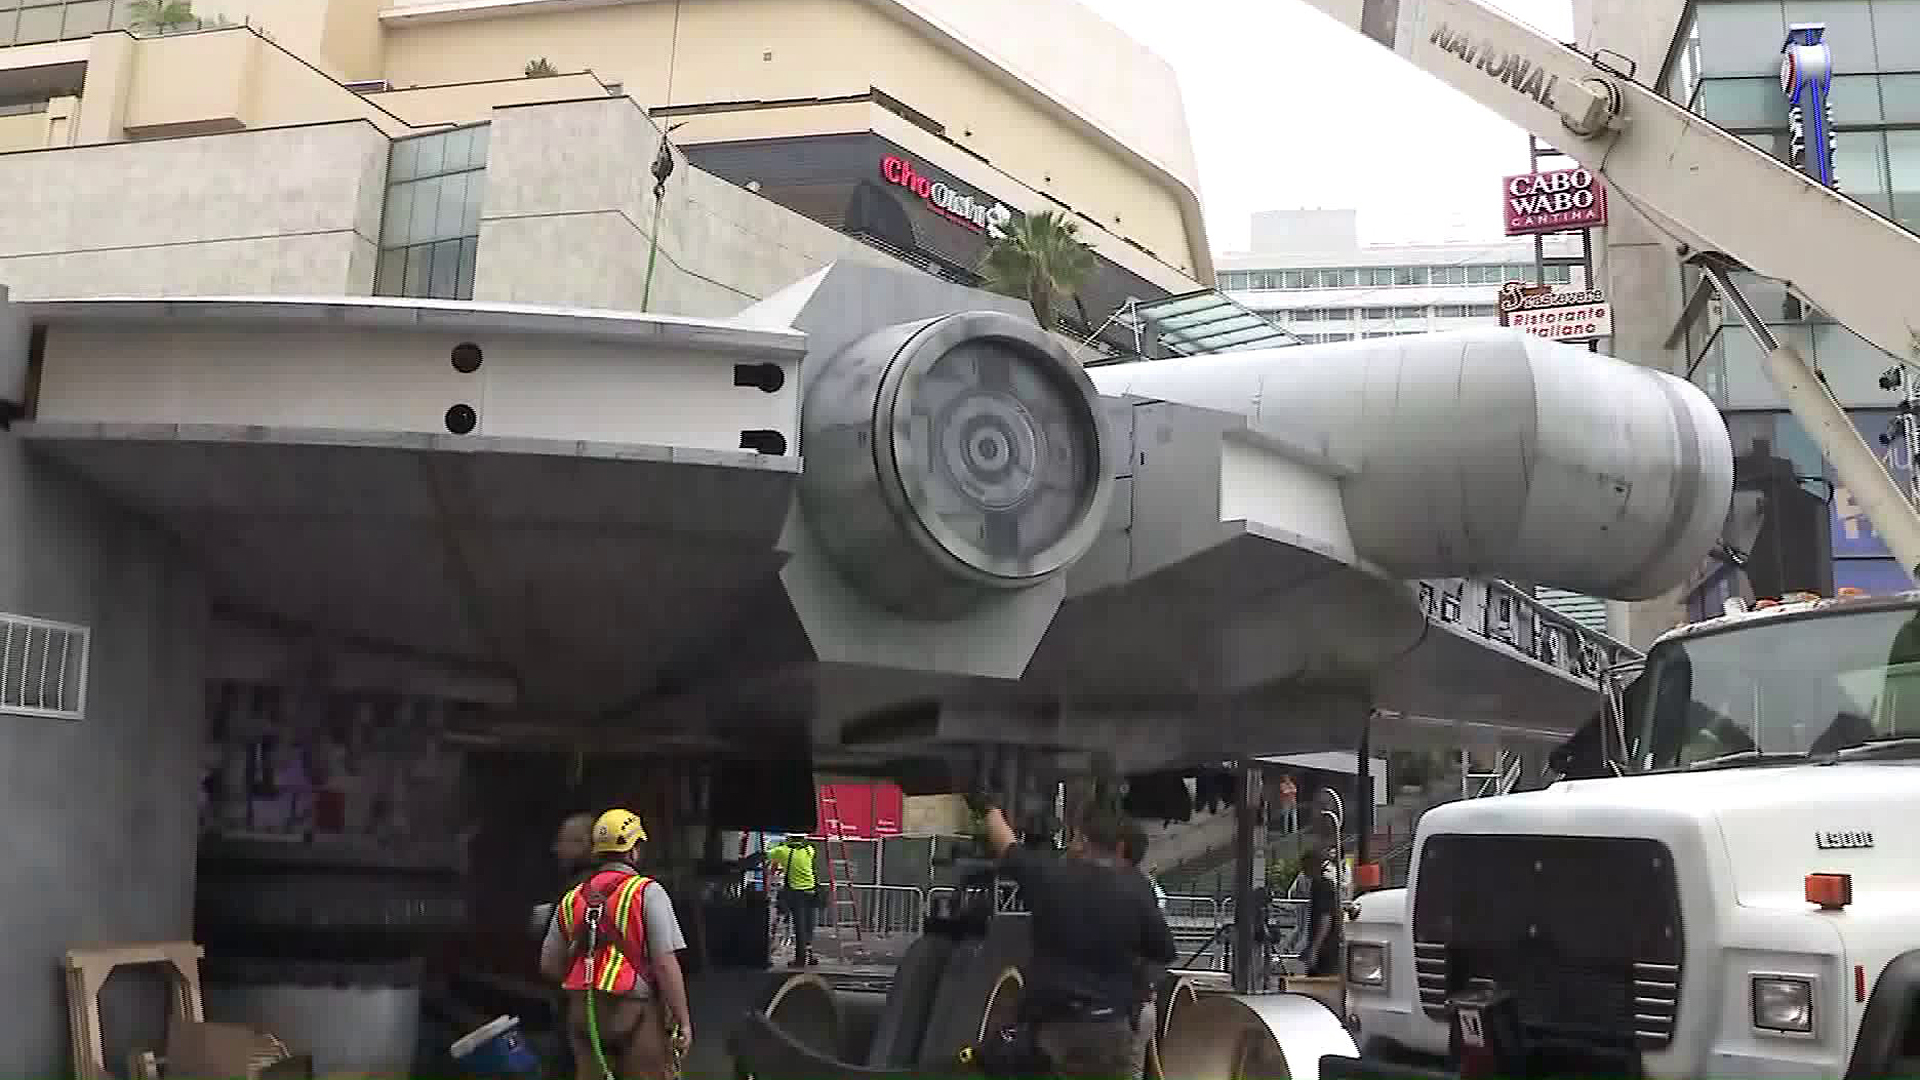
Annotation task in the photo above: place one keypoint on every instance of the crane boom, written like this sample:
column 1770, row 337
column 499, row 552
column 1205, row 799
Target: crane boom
column 1714, row 194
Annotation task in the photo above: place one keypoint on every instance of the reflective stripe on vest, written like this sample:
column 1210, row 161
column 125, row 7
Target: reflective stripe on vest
column 613, row 971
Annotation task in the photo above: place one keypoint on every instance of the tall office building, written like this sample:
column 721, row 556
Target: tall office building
column 1724, row 60
column 1308, row 270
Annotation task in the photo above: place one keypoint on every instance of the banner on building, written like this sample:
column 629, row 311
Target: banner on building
column 860, row 811
column 1559, row 200
column 1572, row 313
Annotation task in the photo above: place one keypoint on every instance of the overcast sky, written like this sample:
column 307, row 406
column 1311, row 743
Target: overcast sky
column 1290, row 109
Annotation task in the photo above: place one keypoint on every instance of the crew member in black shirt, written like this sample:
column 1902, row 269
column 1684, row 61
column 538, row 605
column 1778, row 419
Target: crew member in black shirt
column 1322, row 954
column 1095, row 923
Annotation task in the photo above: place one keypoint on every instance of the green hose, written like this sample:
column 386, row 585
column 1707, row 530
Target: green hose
column 593, row 1037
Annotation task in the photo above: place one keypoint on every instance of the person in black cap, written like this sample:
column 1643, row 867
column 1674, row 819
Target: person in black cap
column 1095, row 927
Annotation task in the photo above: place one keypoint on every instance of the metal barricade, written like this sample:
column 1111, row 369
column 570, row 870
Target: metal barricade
column 1289, row 923
column 1192, row 912
column 889, row 909
column 1203, row 945
column 1006, row 898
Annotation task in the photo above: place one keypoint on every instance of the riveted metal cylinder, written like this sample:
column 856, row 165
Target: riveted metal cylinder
column 953, row 458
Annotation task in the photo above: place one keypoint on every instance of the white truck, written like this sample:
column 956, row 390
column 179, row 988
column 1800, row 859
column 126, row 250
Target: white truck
column 1731, row 896
column 1712, row 898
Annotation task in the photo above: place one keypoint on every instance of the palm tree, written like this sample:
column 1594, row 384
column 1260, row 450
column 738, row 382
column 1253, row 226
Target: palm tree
column 1040, row 259
column 540, row 69
column 160, row 16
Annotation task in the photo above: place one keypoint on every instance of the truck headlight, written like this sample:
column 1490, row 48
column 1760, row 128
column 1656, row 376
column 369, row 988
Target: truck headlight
column 1366, row 963
column 1783, row 1004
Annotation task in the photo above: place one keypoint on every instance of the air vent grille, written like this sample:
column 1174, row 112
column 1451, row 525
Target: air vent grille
column 43, row 667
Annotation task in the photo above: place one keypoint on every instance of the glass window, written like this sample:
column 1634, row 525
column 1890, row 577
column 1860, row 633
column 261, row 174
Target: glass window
column 1903, row 164
column 429, row 233
column 1410, row 313
column 1807, row 686
column 1293, row 279
column 1746, row 385
column 1860, row 168
column 1851, row 365
column 1855, row 99
column 1775, row 143
column 1900, row 96
column 1896, row 34
column 84, row 19
column 419, row 262
column 1745, row 103
column 1303, row 315
column 1850, row 32
column 1449, row 275
column 38, row 25
column 1740, row 38
column 403, row 162
column 1681, row 76
column 1340, row 314
column 1410, row 275
column 433, row 154
column 1349, row 279
column 1379, row 313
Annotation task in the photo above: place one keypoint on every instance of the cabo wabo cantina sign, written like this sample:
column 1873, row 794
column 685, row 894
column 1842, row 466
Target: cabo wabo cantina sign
column 1556, row 201
column 973, row 211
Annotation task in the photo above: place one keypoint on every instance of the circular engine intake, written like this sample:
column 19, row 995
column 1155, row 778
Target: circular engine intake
column 953, row 458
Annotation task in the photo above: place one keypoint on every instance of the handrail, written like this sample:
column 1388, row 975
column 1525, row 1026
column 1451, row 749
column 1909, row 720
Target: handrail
column 1500, row 612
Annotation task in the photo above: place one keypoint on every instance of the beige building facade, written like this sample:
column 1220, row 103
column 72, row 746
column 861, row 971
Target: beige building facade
column 330, row 147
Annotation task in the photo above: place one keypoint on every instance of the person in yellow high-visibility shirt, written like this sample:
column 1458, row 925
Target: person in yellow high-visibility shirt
column 799, row 892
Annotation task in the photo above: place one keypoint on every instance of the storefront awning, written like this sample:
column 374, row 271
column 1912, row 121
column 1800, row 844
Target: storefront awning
column 1197, row 323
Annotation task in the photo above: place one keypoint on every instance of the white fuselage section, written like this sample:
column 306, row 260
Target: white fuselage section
column 1743, row 842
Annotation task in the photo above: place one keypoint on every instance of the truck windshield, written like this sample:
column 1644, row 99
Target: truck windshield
column 1793, row 685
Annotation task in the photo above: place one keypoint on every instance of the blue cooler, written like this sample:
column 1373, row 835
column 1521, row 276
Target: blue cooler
column 496, row 1048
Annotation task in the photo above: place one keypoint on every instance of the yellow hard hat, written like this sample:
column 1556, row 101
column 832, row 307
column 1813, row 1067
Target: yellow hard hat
column 616, row 832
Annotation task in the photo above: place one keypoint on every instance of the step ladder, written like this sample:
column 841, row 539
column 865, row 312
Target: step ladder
column 843, row 906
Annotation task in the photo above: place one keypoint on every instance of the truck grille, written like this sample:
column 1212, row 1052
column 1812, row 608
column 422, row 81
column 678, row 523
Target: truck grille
column 1584, row 931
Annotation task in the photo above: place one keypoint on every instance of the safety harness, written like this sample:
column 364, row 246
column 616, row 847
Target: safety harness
column 587, row 945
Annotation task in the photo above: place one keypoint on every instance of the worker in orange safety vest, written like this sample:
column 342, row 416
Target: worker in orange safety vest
column 616, row 934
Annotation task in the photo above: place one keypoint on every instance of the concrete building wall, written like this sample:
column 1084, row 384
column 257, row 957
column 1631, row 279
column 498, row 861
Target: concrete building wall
column 108, row 800
column 294, row 211
column 745, row 50
column 754, row 120
column 569, row 213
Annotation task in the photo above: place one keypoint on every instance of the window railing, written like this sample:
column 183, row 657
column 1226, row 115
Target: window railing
column 1500, row 613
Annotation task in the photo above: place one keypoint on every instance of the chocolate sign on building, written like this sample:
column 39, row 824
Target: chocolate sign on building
column 974, row 211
